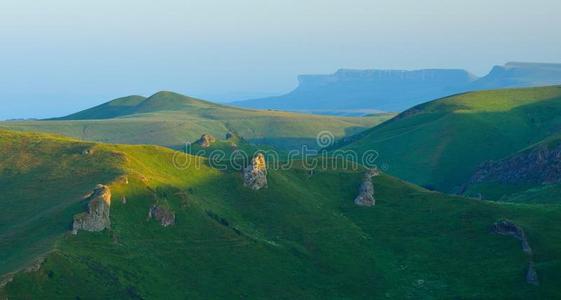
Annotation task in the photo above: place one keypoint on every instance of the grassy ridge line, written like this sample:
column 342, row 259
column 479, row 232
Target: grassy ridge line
column 170, row 119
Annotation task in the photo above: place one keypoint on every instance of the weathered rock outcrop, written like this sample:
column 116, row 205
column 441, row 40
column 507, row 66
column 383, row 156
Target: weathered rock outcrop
column 366, row 191
column 97, row 216
column 4, row 280
column 506, row 227
column 532, row 274
column 88, row 151
column 255, row 174
column 165, row 216
column 33, row 267
column 540, row 164
column 206, row 140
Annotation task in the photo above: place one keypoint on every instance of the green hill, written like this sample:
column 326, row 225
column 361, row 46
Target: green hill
column 170, row 119
column 161, row 101
column 440, row 144
column 302, row 237
column 115, row 108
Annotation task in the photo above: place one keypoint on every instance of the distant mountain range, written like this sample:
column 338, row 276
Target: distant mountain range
column 357, row 92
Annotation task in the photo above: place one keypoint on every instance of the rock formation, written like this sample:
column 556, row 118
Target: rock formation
column 206, row 140
column 532, row 274
column 366, row 191
column 87, row 152
column 506, row 227
column 540, row 164
column 162, row 214
column 97, row 216
column 255, row 174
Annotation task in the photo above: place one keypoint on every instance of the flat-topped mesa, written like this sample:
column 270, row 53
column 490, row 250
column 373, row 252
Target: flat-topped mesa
column 366, row 191
column 255, row 174
column 97, row 216
column 206, row 140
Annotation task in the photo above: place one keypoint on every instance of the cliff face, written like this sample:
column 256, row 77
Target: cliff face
column 540, row 164
column 97, row 216
column 447, row 77
column 383, row 90
column 515, row 74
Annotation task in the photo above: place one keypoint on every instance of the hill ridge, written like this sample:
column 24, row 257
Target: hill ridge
column 123, row 106
column 476, row 126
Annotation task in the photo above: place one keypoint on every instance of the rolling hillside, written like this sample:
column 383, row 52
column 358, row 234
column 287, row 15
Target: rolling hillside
column 302, row 237
column 440, row 144
column 357, row 91
column 42, row 179
column 170, row 119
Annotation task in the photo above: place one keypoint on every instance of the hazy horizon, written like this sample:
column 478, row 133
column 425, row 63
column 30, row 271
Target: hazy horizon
column 65, row 56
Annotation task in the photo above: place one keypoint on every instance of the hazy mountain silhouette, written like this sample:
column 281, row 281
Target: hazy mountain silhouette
column 396, row 90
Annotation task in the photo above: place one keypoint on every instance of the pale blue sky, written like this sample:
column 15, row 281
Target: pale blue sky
column 60, row 56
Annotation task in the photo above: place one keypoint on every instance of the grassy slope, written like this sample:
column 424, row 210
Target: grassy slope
column 441, row 143
column 170, row 119
column 302, row 237
column 42, row 179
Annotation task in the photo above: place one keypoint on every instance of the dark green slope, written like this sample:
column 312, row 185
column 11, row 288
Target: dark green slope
column 441, row 143
column 300, row 238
